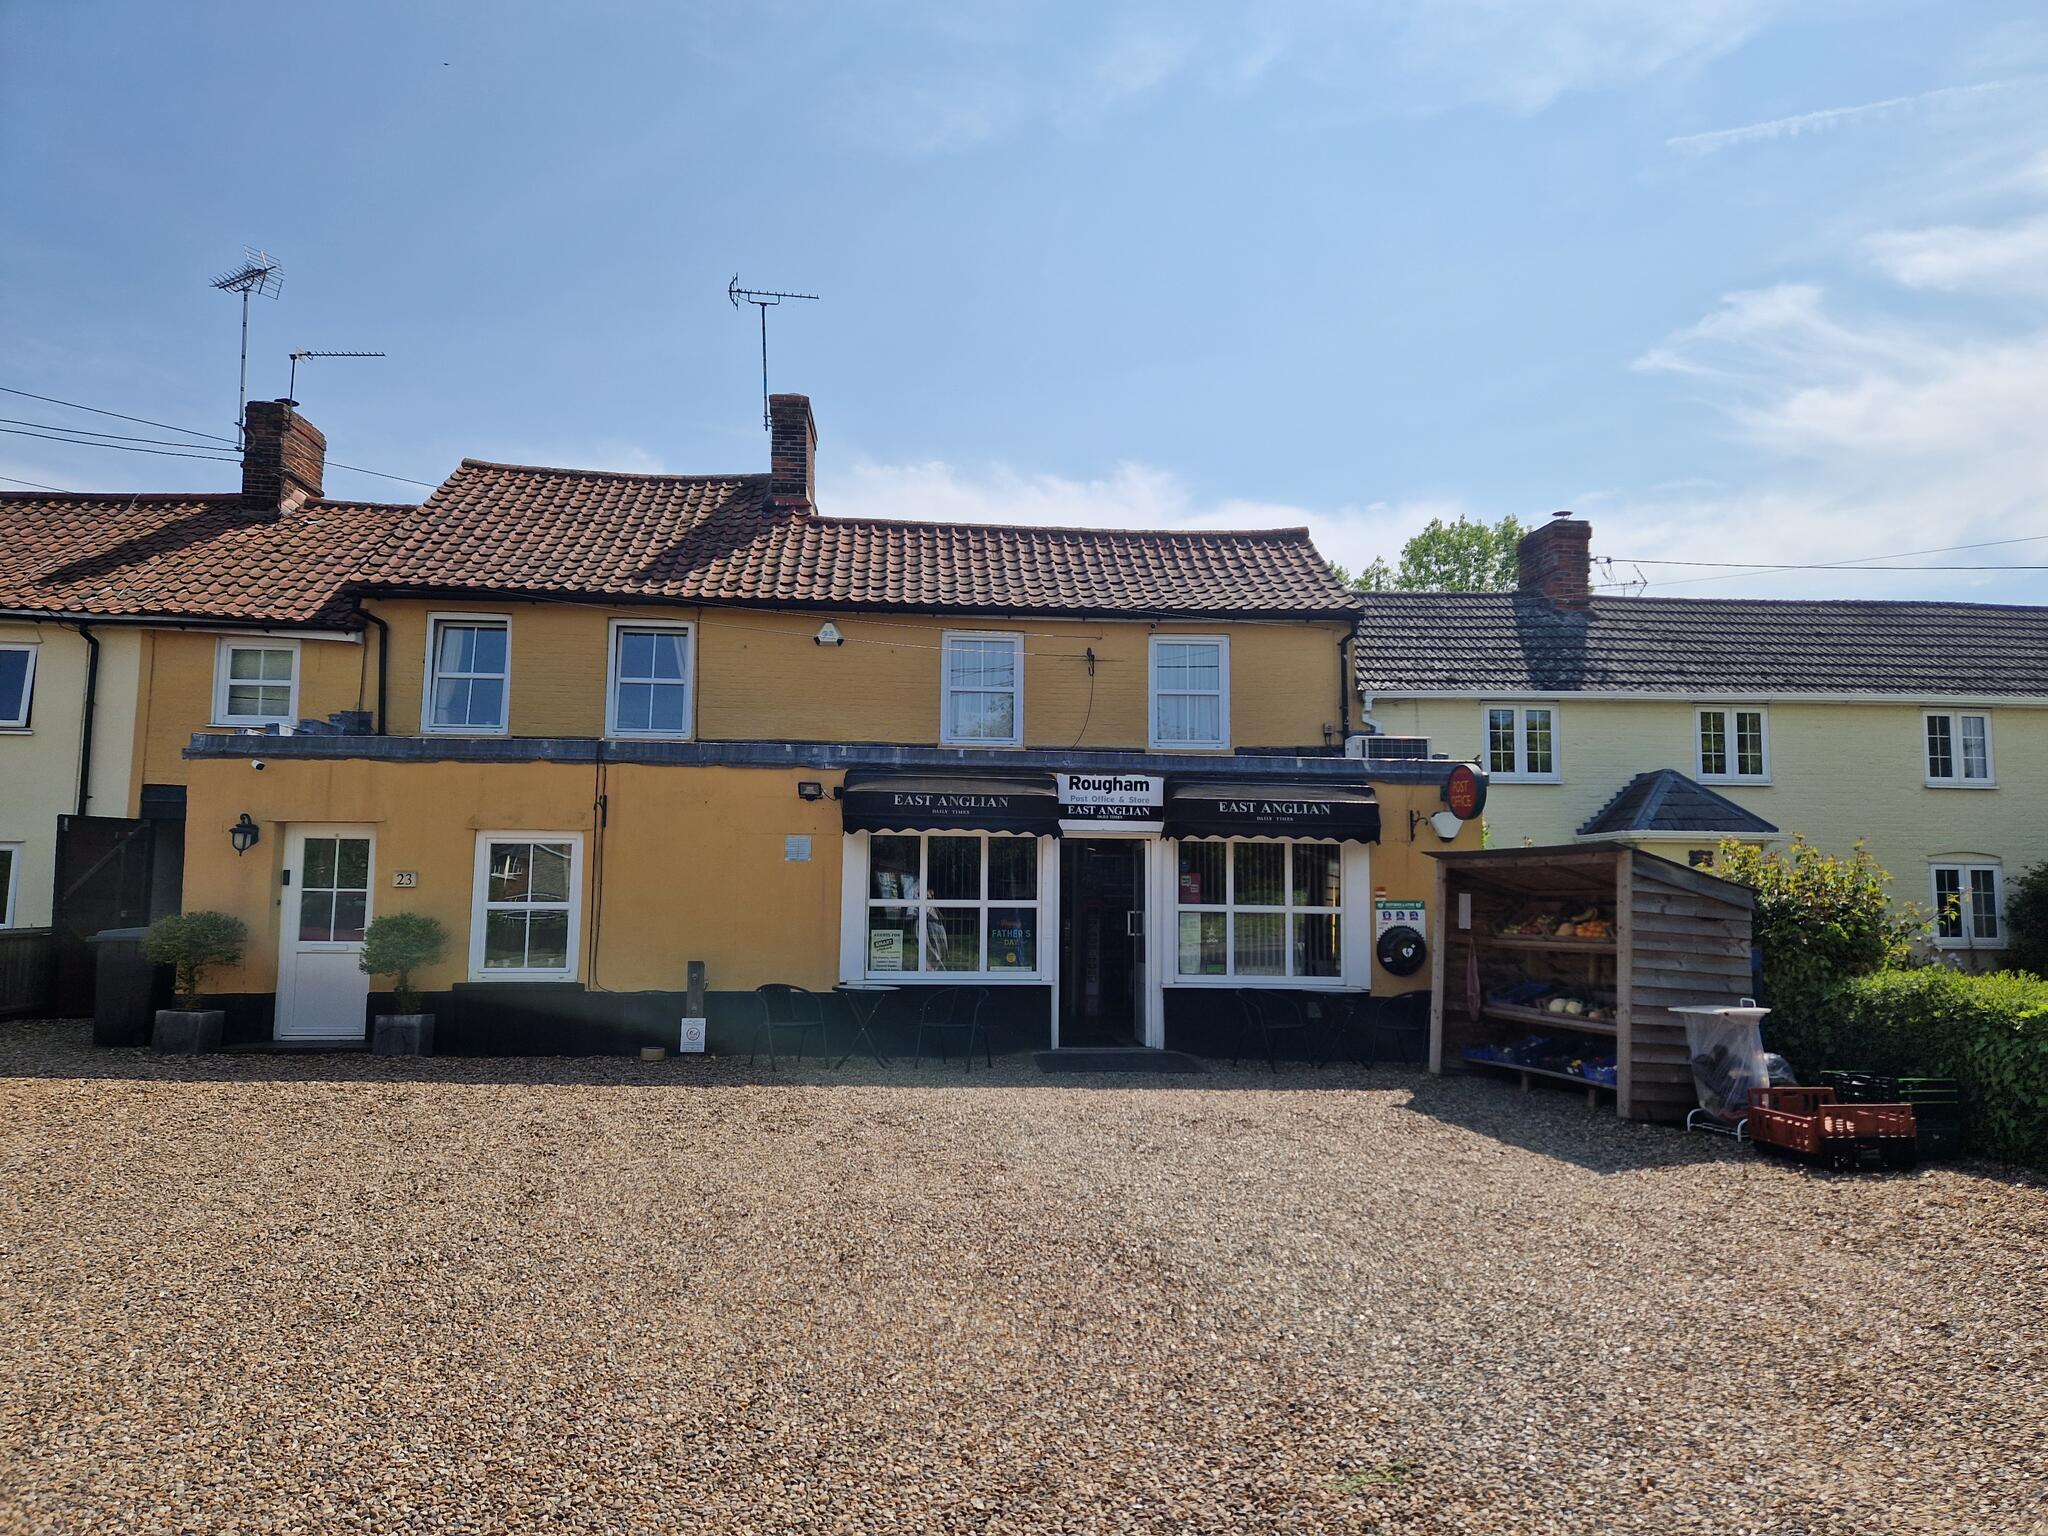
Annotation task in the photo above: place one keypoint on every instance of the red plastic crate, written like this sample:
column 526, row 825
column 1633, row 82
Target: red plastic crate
column 1807, row 1122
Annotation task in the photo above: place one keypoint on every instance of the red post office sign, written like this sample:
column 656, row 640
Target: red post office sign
column 1465, row 791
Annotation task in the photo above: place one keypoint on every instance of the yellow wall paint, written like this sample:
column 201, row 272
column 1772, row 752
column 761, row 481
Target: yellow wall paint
column 1839, row 772
column 333, row 675
column 691, row 865
column 39, row 766
column 760, row 676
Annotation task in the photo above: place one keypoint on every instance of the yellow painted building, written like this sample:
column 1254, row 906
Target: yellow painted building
column 621, row 725
column 1917, row 729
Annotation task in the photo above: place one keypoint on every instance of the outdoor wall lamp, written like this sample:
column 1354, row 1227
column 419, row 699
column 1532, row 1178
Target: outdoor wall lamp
column 809, row 789
column 244, row 834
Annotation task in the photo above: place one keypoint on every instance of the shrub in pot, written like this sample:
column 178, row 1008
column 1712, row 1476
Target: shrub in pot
column 191, row 943
column 396, row 945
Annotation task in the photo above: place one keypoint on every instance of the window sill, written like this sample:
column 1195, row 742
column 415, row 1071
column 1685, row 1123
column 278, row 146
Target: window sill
column 1735, row 781
column 1278, row 983
column 16, row 730
column 949, row 979
column 992, row 746
column 646, row 735
column 1961, row 783
column 554, row 976
column 458, row 730
column 1188, row 746
column 1525, row 778
column 1968, row 946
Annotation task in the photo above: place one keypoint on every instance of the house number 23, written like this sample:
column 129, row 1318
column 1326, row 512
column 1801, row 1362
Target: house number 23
column 405, row 879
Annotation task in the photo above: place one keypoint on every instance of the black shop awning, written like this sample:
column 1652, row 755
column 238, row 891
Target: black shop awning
column 1251, row 808
column 878, row 801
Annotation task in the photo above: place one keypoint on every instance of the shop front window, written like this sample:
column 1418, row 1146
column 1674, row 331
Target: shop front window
column 952, row 903
column 1259, row 909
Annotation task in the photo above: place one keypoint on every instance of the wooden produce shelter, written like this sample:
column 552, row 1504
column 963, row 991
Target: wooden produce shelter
column 1579, row 953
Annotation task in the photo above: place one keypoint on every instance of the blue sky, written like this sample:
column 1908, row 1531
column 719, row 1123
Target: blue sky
column 1735, row 279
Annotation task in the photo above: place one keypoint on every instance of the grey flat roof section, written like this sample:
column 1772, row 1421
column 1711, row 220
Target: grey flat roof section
column 824, row 755
column 1665, row 801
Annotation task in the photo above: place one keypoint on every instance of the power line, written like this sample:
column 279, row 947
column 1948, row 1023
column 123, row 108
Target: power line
column 122, row 447
column 139, row 420
column 431, row 485
column 82, row 435
column 1736, row 568
column 37, row 485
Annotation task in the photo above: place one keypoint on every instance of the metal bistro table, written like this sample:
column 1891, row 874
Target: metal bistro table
column 863, row 1002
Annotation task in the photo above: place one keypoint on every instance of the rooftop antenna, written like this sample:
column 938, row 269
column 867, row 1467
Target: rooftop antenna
column 292, row 390
column 258, row 273
column 763, row 299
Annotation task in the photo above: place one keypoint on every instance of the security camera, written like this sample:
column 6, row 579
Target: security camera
column 259, row 765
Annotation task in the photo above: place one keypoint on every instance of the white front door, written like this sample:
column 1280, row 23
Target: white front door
column 322, row 993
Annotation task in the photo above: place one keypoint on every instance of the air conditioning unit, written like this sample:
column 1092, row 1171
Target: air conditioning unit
column 1355, row 745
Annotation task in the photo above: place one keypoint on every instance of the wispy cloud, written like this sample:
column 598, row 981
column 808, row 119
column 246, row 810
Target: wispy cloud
column 1831, row 118
column 1128, row 495
column 1957, row 256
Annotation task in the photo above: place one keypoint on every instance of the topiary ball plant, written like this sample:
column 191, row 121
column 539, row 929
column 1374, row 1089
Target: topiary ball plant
column 192, row 942
column 399, row 943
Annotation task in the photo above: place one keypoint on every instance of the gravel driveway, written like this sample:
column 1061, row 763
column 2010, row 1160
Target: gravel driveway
column 330, row 1293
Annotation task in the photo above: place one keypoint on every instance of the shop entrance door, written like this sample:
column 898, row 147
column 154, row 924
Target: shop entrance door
column 1102, row 942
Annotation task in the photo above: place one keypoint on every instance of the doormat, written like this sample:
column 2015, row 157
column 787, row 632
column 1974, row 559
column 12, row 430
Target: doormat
column 1113, row 1060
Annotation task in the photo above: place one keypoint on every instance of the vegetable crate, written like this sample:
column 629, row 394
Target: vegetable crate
column 1937, row 1105
column 1810, row 1123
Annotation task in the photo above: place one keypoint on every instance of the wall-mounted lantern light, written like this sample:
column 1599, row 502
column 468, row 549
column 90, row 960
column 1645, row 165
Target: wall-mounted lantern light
column 809, row 789
column 244, row 834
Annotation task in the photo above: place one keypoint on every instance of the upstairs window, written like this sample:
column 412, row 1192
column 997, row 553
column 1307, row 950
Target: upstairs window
column 983, row 703
column 1190, row 692
column 651, row 674
column 256, row 682
column 17, row 683
column 1958, row 750
column 1521, row 742
column 1968, row 913
column 468, row 668
column 1734, row 745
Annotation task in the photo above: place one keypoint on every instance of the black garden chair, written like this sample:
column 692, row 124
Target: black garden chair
column 787, row 1009
column 1347, row 1020
column 1271, row 1019
column 1400, row 1029
column 955, row 1011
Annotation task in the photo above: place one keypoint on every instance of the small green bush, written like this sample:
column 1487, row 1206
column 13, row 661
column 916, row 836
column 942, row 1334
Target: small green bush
column 399, row 943
column 1989, row 1032
column 2026, row 921
column 1819, row 921
column 191, row 943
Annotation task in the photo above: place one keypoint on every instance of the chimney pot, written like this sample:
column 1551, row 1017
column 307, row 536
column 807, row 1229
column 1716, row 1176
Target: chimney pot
column 284, row 457
column 792, row 451
column 1556, row 559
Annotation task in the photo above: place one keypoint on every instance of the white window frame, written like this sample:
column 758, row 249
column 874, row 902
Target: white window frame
column 858, row 901
column 430, row 672
column 480, row 906
column 1287, row 912
column 1964, row 868
column 1957, row 779
column 1730, row 712
column 223, row 655
column 20, row 722
column 10, row 888
column 1152, row 737
column 1521, row 773
column 1015, row 640
column 618, row 627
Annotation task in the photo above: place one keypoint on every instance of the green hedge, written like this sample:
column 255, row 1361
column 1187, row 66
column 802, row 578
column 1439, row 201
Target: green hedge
column 1989, row 1032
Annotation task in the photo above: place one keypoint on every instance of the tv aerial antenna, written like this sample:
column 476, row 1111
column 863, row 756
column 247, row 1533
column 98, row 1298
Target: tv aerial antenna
column 763, row 299
column 258, row 273
column 292, row 389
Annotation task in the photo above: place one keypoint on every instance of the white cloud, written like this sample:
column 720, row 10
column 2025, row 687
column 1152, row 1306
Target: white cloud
column 1836, row 117
column 1956, row 256
column 1130, row 495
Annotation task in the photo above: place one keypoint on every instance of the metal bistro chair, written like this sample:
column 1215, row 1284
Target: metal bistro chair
column 784, row 1007
column 1402, row 1022
column 1269, row 1018
column 1348, row 1019
column 955, row 1011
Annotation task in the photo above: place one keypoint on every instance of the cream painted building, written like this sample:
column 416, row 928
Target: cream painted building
column 1919, row 729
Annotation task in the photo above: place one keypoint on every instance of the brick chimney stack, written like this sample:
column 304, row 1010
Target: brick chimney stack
column 1556, row 559
column 283, row 458
column 792, row 451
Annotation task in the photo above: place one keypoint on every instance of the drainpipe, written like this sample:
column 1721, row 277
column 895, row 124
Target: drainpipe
column 92, row 689
column 383, row 655
column 1345, row 683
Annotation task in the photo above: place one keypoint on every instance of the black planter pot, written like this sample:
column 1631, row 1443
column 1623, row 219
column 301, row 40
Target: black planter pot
column 186, row 1031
